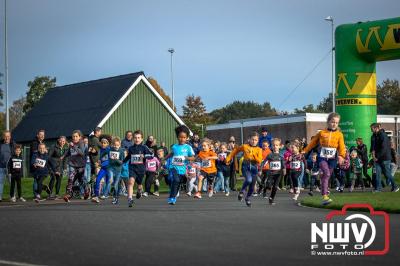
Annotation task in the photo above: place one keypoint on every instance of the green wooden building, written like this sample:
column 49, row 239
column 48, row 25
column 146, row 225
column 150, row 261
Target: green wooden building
column 117, row 104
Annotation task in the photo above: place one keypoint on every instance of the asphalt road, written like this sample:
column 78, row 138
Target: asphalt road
column 216, row 231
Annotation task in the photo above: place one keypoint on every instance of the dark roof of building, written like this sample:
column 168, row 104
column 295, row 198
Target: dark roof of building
column 76, row 106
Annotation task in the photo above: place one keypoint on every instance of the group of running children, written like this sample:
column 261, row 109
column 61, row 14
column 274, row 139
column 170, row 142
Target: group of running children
column 139, row 164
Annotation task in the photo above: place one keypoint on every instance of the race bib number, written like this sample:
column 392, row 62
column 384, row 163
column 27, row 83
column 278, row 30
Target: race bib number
column 151, row 164
column 192, row 171
column 114, row 155
column 222, row 156
column 178, row 160
column 295, row 165
column 275, row 165
column 40, row 162
column 206, row 164
column 328, row 153
column 17, row 165
column 136, row 159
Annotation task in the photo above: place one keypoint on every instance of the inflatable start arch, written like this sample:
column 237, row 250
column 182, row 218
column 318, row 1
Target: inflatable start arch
column 358, row 47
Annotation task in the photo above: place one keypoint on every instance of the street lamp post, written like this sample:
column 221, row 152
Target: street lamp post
column 6, row 65
column 330, row 19
column 171, row 50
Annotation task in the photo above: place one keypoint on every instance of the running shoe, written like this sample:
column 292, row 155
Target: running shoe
column 95, row 200
column 115, row 201
column 240, row 196
column 13, row 199
column 22, row 199
column 227, row 194
column 271, row 201
column 171, row 201
column 296, row 196
column 102, row 197
column 210, row 193
column 189, row 194
column 248, row 202
column 396, row 189
column 138, row 194
column 197, row 195
column 156, row 194
column 130, row 203
column 326, row 200
column 145, row 194
column 67, row 197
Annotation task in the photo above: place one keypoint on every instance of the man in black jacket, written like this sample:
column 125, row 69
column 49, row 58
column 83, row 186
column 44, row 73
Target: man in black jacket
column 380, row 149
column 6, row 151
column 362, row 152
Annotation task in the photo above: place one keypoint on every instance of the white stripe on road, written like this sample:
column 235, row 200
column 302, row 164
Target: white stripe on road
column 7, row 262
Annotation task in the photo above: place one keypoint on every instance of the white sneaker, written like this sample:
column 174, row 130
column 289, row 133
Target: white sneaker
column 145, row 194
column 156, row 194
column 189, row 194
column 95, row 200
column 103, row 197
column 227, row 194
column 13, row 199
column 22, row 199
column 296, row 196
column 177, row 195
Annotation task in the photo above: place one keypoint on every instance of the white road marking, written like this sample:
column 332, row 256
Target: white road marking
column 16, row 263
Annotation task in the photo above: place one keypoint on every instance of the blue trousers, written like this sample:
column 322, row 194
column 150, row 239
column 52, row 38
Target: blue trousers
column 250, row 173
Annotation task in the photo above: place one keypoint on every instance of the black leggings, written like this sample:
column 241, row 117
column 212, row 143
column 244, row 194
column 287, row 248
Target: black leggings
column 57, row 179
column 294, row 177
column 150, row 178
column 15, row 180
column 275, row 178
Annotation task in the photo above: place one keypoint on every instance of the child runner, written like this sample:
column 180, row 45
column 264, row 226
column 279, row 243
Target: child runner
column 137, row 154
column 208, row 169
column 331, row 150
column 180, row 155
column 163, row 173
column 104, row 172
column 296, row 160
column 116, row 156
column 313, row 172
column 192, row 174
column 223, row 168
column 276, row 168
column 76, row 155
column 265, row 181
column 15, row 171
column 355, row 170
column 152, row 167
column 40, row 164
column 252, row 155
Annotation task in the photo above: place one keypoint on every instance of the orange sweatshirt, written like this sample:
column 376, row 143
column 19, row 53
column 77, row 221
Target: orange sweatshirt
column 208, row 166
column 328, row 139
column 250, row 153
column 265, row 153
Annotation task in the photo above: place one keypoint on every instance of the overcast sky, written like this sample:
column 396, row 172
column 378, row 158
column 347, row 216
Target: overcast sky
column 225, row 50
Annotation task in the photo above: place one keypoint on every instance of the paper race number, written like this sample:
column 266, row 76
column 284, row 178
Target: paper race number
column 295, row 165
column 114, row 155
column 136, row 159
column 178, row 160
column 40, row 162
column 275, row 165
column 17, row 165
column 328, row 153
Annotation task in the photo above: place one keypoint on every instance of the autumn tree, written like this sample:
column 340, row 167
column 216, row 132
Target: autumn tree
column 195, row 114
column 161, row 91
column 388, row 97
column 37, row 88
column 17, row 112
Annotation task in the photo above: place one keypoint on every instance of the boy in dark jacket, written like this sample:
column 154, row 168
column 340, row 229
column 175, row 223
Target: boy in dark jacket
column 40, row 169
column 15, row 170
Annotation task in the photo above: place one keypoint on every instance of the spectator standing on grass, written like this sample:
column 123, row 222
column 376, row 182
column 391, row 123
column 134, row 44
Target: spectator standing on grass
column 6, row 150
column 393, row 165
column 128, row 140
column 362, row 152
column 380, row 149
